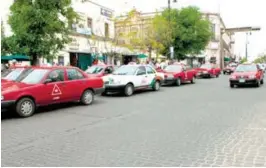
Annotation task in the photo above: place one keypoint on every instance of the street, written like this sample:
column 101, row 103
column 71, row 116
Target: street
column 202, row 124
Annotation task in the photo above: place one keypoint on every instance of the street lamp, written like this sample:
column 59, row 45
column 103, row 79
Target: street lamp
column 247, row 33
column 171, row 46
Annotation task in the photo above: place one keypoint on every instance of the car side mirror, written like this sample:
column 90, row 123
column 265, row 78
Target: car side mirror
column 47, row 81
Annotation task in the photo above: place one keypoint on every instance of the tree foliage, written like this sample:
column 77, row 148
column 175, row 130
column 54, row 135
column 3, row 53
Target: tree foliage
column 185, row 29
column 243, row 60
column 260, row 59
column 40, row 28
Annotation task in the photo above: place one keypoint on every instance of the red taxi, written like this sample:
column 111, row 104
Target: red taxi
column 100, row 70
column 247, row 74
column 208, row 70
column 229, row 69
column 177, row 74
column 49, row 85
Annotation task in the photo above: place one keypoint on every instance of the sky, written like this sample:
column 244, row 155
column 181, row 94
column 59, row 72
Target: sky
column 235, row 13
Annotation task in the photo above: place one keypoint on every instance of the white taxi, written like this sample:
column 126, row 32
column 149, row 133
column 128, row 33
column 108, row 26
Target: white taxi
column 128, row 78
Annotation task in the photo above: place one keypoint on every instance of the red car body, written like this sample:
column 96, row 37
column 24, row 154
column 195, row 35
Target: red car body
column 39, row 89
column 178, row 74
column 229, row 69
column 100, row 70
column 208, row 70
column 247, row 74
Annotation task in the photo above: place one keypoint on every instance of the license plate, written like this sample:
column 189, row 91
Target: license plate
column 242, row 80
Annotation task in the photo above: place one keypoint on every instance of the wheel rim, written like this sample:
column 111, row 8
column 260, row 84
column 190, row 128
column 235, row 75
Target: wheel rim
column 26, row 108
column 157, row 86
column 88, row 97
column 129, row 90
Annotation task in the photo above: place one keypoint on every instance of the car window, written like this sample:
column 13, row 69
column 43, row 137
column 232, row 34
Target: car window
column 150, row 70
column 246, row 68
column 13, row 74
column 141, row 70
column 34, row 76
column 109, row 70
column 73, row 74
column 126, row 70
column 173, row 68
column 206, row 66
column 95, row 69
column 56, row 75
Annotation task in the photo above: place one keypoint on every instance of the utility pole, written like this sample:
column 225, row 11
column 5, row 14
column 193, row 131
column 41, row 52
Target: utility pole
column 247, row 44
column 170, row 29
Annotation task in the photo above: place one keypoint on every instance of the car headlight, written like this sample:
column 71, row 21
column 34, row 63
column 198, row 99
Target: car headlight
column 252, row 76
column 2, row 97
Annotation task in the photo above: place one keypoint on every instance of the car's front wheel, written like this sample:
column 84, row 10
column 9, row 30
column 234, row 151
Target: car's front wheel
column 178, row 82
column 129, row 90
column 25, row 107
column 193, row 80
column 232, row 85
column 156, row 86
column 262, row 82
column 87, row 97
column 258, row 83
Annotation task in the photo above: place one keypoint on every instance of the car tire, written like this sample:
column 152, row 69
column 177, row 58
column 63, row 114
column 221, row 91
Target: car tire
column 104, row 93
column 258, row 84
column 224, row 73
column 156, row 85
column 87, row 97
column 193, row 80
column 25, row 107
column 178, row 82
column 262, row 82
column 232, row 85
column 217, row 76
column 129, row 90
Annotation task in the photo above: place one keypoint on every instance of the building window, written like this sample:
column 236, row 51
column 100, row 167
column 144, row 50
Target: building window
column 89, row 22
column 61, row 60
column 106, row 30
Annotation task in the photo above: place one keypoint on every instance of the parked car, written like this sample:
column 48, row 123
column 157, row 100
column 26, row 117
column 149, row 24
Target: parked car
column 100, row 70
column 208, row 70
column 132, row 77
column 178, row 74
column 229, row 69
column 247, row 74
column 49, row 85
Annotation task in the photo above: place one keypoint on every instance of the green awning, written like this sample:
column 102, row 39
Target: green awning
column 15, row 57
column 142, row 56
column 227, row 59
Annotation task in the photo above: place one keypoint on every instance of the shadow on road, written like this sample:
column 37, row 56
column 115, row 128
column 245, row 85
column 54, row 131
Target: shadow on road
column 9, row 114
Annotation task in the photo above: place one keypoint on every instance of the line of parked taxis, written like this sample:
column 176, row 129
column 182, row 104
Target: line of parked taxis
column 24, row 89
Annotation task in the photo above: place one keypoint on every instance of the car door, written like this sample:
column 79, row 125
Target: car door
column 141, row 78
column 75, row 83
column 189, row 73
column 55, row 90
column 151, row 75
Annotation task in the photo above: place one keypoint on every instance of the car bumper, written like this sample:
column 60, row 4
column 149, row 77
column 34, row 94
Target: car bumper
column 247, row 82
column 114, row 88
column 227, row 71
column 99, row 90
column 7, row 104
column 169, row 81
column 202, row 75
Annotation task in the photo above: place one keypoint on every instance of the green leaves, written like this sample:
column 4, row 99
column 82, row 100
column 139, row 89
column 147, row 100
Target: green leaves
column 185, row 29
column 260, row 59
column 40, row 28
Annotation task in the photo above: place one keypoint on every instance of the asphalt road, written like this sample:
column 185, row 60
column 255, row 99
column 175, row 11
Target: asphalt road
column 205, row 124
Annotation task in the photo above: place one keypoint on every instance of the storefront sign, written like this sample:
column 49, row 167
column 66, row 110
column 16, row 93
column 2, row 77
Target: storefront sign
column 85, row 31
column 106, row 13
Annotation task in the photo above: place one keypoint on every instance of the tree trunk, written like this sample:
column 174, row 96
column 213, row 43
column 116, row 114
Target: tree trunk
column 150, row 49
column 35, row 60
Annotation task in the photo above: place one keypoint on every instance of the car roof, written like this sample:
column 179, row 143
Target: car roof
column 53, row 67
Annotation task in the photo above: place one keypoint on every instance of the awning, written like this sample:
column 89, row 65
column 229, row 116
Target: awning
column 142, row 56
column 227, row 59
column 16, row 57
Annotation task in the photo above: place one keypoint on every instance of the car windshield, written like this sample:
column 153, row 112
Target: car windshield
column 246, row 68
column 34, row 76
column 13, row 74
column 94, row 69
column 173, row 68
column 206, row 66
column 126, row 70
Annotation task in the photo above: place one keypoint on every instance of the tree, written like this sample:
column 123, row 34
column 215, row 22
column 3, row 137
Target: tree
column 186, row 30
column 40, row 28
column 243, row 60
column 260, row 59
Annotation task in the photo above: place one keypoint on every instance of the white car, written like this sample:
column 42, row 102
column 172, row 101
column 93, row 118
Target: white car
column 128, row 78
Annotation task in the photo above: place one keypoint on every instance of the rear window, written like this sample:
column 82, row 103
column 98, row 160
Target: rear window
column 34, row 76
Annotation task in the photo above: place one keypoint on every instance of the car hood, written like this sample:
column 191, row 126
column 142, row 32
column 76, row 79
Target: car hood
column 94, row 75
column 13, row 86
column 243, row 73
